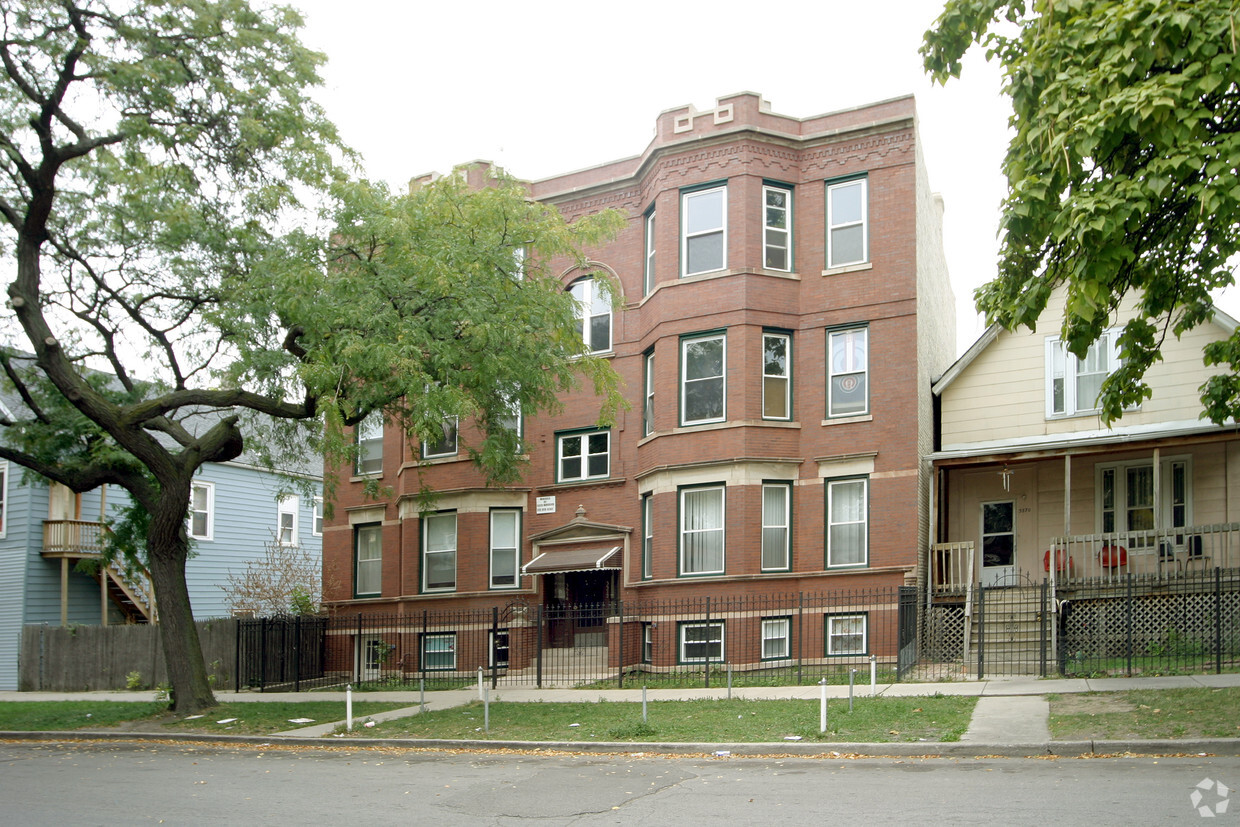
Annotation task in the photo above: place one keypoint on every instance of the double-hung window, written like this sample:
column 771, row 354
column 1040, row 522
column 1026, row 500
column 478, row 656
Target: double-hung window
column 368, row 557
column 648, row 279
column 593, row 314
column 1126, row 498
column 1072, row 384
column 439, row 552
column 701, row 642
column 647, row 536
column 777, row 228
column 505, row 531
column 848, row 371
column 776, row 524
column 286, row 520
column 584, row 455
column 201, row 509
column 704, row 230
column 703, row 379
column 316, row 519
column 847, row 635
column 439, row 651
column 847, row 220
column 847, row 522
column 369, row 434
column 776, row 376
column 444, row 443
column 648, row 404
column 701, row 530
column 776, row 634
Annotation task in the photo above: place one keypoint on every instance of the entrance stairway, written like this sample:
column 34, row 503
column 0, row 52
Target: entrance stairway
column 1007, row 631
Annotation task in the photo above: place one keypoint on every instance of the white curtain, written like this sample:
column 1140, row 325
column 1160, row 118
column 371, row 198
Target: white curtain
column 702, row 533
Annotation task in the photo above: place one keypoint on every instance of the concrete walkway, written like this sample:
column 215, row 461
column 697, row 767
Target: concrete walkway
column 1010, row 717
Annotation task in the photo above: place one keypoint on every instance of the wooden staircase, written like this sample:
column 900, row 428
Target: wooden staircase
column 132, row 596
column 1007, row 630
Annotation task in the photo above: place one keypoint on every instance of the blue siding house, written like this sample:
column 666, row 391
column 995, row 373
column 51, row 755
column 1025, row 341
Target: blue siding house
column 45, row 530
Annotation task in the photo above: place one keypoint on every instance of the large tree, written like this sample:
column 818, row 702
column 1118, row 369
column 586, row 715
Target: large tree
column 1122, row 170
column 174, row 301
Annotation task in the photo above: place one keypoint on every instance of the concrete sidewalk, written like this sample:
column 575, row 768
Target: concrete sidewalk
column 1010, row 717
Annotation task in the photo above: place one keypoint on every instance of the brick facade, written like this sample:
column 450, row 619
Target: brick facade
column 740, row 145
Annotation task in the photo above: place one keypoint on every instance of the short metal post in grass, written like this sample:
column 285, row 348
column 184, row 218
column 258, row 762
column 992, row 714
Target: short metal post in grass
column 873, row 676
column 486, row 710
column 822, row 706
column 348, row 707
column 643, row 704
column 852, row 676
column 729, row 681
column 479, row 683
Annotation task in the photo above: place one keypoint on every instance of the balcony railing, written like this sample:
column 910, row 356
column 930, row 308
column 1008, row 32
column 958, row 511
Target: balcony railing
column 72, row 537
column 1160, row 554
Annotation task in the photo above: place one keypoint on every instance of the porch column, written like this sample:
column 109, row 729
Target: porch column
column 64, row 591
column 1157, row 493
column 1067, row 496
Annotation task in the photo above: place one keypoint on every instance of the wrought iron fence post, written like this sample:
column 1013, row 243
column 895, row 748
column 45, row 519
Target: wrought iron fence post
column 262, row 663
column 1128, row 624
column 1218, row 620
column 422, row 649
column 237, row 658
column 981, row 632
column 620, row 644
column 1042, row 629
column 359, row 651
column 538, row 642
column 707, row 671
column 800, row 635
column 494, row 645
column 297, row 653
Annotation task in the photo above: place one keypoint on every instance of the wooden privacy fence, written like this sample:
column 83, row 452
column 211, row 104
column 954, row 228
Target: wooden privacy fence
column 87, row 658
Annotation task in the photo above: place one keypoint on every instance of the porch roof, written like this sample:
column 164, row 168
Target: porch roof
column 1106, row 437
column 577, row 557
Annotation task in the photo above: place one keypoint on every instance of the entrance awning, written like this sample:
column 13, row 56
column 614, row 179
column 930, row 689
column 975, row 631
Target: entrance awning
column 574, row 558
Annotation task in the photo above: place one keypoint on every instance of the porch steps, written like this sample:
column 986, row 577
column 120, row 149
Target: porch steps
column 1010, row 630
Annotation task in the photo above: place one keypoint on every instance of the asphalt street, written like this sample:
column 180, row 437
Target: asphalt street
column 46, row 783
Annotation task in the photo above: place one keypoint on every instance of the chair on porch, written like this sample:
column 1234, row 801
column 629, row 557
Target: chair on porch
column 1113, row 557
column 1194, row 552
column 1167, row 557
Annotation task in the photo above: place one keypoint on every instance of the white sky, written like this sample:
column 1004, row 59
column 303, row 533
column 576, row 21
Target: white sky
column 550, row 86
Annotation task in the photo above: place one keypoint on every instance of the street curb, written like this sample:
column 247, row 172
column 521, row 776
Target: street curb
column 917, row 749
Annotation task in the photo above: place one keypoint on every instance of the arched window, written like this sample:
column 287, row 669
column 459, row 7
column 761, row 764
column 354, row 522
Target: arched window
column 593, row 313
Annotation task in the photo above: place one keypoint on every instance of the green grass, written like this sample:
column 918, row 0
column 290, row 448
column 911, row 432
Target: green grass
column 873, row 720
column 1144, row 666
column 1146, row 713
column 256, row 718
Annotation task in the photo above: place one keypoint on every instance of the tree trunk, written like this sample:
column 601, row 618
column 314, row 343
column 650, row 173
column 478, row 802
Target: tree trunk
column 168, row 547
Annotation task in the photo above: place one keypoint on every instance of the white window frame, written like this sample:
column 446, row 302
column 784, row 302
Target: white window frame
column 438, row 637
column 832, row 635
column 784, row 528
column 721, row 229
column 712, row 642
column 647, row 561
column 209, row 488
column 1063, row 367
column 286, row 529
column 721, row 378
column 685, row 532
column 1164, row 507
column 591, row 302
column 851, row 367
column 494, row 662
column 833, row 225
column 771, row 234
column 372, row 564
column 648, row 405
column 513, row 552
column 648, row 275
column 647, row 643
column 785, row 378
column 316, row 519
column 427, row 551
column 834, row 519
column 368, row 434
column 450, row 445
column 776, row 629
column 587, row 452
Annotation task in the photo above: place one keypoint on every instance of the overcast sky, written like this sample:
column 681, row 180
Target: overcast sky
column 550, row 86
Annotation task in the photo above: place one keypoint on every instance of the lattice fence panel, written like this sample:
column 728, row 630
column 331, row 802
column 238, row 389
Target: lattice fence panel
column 946, row 628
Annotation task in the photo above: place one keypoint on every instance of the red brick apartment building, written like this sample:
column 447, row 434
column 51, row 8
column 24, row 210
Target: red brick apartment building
column 785, row 307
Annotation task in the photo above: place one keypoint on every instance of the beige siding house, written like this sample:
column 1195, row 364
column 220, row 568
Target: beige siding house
column 1029, row 483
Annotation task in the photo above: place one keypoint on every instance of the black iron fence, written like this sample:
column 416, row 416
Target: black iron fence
column 748, row 640
column 1115, row 625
